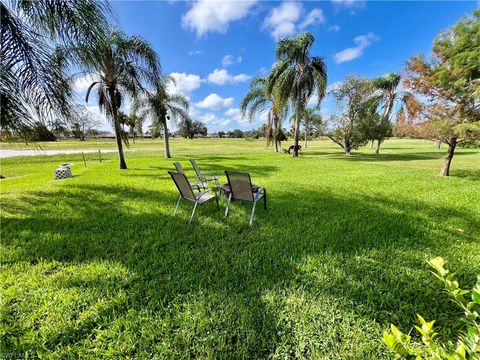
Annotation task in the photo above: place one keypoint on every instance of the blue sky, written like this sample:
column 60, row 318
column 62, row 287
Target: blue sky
column 214, row 48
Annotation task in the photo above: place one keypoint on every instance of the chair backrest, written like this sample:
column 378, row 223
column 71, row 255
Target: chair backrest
column 179, row 168
column 197, row 170
column 183, row 185
column 240, row 185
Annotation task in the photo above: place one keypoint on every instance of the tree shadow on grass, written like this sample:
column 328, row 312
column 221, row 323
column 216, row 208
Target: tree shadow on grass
column 473, row 175
column 385, row 156
column 219, row 288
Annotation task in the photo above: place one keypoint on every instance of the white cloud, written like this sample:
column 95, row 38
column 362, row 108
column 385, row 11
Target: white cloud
column 195, row 52
column 313, row 17
column 231, row 60
column 234, row 113
column 214, row 101
column 215, row 15
column 222, row 77
column 348, row 4
column 214, row 122
column 184, row 83
column 349, row 54
column 283, row 19
column 334, row 28
column 81, row 84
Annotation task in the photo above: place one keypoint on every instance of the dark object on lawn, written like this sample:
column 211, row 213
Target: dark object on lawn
column 204, row 180
column 186, row 192
column 180, row 170
column 292, row 147
column 241, row 189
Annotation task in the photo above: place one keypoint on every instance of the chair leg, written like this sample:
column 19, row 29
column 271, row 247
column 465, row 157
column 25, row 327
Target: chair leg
column 228, row 204
column 253, row 212
column 216, row 199
column 193, row 212
column 178, row 204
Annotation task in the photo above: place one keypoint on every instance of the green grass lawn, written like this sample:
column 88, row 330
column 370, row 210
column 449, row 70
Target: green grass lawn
column 97, row 266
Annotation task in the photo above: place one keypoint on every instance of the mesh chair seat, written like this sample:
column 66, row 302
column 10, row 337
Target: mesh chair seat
column 242, row 189
column 186, row 192
column 203, row 197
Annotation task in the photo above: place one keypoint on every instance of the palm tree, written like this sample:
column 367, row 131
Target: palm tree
column 387, row 95
column 120, row 65
column 310, row 119
column 162, row 106
column 135, row 122
column 258, row 100
column 34, row 80
column 297, row 75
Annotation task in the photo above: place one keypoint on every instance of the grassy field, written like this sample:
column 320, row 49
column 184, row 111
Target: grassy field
column 97, row 266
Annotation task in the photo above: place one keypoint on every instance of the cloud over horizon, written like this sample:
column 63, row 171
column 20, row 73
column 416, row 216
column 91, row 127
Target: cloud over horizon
column 352, row 53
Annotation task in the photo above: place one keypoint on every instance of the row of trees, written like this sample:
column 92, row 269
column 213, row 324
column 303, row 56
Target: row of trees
column 43, row 42
column 437, row 98
column 364, row 111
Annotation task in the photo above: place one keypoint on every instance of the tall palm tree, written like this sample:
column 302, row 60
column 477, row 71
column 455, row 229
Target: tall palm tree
column 297, row 75
column 258, row 100
column 162, row 106
column 311, row 119
column 34, row 80
column 387, row 95
column 121, row 66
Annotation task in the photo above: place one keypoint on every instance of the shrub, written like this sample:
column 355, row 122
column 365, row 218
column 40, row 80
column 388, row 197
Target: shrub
column 468, row 343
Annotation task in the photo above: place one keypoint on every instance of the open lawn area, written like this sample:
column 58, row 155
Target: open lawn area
column 97, row 266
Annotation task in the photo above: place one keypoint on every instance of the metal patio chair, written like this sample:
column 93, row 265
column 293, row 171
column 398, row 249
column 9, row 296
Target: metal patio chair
column 180, row 170
column 186, row 192
column 241, row 189
column 204, row 180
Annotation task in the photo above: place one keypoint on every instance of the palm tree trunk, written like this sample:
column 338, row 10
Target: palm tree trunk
column 452, row 144
column 275, row 134
column 297, row 129
column 306, row 132
column 118, row 133
column 167, row 141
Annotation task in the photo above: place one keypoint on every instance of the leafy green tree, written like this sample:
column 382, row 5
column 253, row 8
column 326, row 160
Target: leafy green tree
column 189, row 129
column 236, row 133
column 58, row 127
column 312, row 122
column 355, row 106
column 451, row 81
column 161, row 106
column 121, row 66
column 136, row 123
column 297, row 75
column 200, row 128
column 34, row 83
